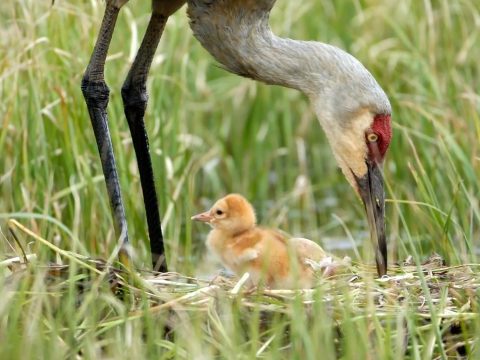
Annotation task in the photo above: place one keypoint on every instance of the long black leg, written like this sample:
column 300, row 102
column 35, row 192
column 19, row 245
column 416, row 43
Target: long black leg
column 134, row 95
column 96, row 93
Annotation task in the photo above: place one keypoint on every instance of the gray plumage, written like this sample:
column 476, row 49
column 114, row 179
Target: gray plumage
column 237, row 34
column 346, row 99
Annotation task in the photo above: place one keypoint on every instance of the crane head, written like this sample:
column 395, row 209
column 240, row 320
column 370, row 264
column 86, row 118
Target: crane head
column 359, row 145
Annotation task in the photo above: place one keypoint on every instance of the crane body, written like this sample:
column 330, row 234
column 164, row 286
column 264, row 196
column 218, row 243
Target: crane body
column 351, row 107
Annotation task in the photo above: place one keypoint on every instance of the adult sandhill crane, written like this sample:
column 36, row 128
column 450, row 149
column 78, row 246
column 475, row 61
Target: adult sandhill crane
column 352, row 108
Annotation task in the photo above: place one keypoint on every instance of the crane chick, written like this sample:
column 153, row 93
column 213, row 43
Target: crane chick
column 271, row 258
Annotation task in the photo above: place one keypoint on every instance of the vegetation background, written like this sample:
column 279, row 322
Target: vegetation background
column 212, row 133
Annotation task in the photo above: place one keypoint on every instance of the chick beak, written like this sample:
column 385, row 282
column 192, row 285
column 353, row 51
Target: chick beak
column 371, row 191
column 203, row 217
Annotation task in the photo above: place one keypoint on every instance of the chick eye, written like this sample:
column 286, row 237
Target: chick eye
column 219, row 212
column 372, row 137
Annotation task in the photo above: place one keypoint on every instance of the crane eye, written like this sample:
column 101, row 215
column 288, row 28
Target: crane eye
column 372, row 137
column 219, row 212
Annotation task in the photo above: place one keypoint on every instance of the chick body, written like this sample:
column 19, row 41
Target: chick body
column 269, row 256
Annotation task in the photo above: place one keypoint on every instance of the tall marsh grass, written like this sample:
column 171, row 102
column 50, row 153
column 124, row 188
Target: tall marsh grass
column 212, row 133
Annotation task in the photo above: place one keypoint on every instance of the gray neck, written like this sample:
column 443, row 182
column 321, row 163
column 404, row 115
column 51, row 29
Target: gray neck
column 237, row 34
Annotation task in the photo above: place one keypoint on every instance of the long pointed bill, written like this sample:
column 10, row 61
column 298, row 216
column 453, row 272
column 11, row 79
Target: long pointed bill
column 203, row 217
column 373, row 195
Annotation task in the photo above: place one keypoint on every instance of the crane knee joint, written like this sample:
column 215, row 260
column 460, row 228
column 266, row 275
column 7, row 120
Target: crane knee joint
column 95, row 92
column 134, row 95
